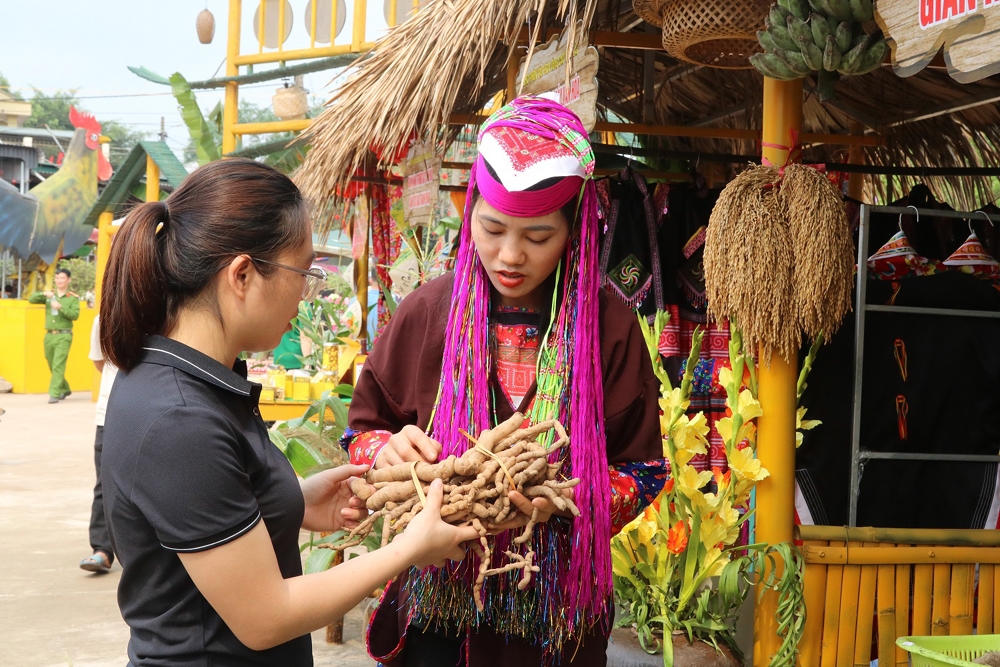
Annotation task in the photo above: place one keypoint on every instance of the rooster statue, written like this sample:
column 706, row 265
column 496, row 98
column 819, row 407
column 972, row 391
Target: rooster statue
column 53, row 211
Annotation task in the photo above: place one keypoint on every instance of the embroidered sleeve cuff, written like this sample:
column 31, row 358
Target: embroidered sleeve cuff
column 365, row 446
column 216, row 540
column 633, row 487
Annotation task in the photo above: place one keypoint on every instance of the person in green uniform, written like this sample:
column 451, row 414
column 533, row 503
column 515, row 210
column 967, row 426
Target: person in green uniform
column 62, row 307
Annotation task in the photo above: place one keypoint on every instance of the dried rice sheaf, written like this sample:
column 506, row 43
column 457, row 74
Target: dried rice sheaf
column 779, row 258
column 824, row 250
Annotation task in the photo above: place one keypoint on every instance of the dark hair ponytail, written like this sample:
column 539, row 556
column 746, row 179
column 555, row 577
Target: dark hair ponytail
column 167, row 253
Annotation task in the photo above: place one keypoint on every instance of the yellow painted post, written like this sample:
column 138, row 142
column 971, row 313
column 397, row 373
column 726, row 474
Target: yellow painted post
column 815, row 594
column 152, row 180
column 776, row 383
column 281, row 26
column 984, row 625
column 360, row 17
column 940, row 606
column 230, row 111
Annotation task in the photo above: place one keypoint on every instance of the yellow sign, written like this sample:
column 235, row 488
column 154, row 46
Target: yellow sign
column 421, row 183
column 969, row 31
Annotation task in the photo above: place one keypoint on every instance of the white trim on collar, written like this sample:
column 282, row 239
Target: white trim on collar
column 217, row 379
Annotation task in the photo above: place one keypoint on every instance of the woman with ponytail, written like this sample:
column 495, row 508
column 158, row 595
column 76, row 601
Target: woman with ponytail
column 520, row 324
column 204, row 512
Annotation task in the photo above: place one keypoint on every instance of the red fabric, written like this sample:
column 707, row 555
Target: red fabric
column 386, row 242
column 366, row 446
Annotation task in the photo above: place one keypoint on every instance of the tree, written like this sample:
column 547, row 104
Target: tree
column 123, row 140
column 5, row 85
column 52, row 110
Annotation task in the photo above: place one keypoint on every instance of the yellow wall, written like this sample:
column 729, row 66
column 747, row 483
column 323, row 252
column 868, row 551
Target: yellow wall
column 22, row 359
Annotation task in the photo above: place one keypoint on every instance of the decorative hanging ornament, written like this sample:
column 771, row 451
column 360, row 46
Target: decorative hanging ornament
column 290, row 102
column 206, row 26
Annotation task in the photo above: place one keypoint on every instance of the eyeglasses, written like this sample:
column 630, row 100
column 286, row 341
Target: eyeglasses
column 315, row 278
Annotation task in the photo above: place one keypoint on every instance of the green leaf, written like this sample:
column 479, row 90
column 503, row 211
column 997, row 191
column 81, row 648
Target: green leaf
column 305, row 459
column 149, row 75
column 319, row 560
column 207, row 149
column 344, row 390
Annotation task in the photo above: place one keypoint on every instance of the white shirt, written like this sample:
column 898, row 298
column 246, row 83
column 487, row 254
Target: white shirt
column 107, row 375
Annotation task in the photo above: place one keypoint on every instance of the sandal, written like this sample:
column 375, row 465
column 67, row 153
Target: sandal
column 97, row 563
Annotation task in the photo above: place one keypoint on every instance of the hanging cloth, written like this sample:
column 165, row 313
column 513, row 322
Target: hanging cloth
column 973, row 259
column 897, row 259
column 630, row 256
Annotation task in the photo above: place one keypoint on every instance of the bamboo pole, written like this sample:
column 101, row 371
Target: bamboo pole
column 925, row 555
column 849, row 592
column 230, row 110
column 903, row 590
column 776, row 392
column 996, row 602
column 923, row 590
column 960, row 610
column 886, row 606
column 814, row 591
column 984, row 626
column 866, row 615
column 903, row 536
column 831, row 613
column 940, row 606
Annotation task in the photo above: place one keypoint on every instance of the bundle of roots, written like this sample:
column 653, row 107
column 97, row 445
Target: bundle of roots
column 476, row 487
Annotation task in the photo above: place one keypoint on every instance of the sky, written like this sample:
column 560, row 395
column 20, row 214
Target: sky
column 87, row 45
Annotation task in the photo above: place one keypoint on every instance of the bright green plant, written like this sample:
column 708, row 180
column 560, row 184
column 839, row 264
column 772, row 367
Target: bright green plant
column 84, row 274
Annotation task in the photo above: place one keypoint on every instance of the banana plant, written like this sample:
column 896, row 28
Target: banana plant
column 205, row 145
column 311, row 442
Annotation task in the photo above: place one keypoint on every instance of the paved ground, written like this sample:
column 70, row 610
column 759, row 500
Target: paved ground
column 51, row 612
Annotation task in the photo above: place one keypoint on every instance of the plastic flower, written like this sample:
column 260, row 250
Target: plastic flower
column 647, row 527
column 748, row 409
column 746, row 466
column 677, row 538
column 714, row 562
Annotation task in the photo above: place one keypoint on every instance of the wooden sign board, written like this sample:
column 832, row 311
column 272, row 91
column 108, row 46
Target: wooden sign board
column 546, row 73
column 969, row 31
column 421, row 182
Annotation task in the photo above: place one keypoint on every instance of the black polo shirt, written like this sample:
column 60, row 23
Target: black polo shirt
column 187, row 466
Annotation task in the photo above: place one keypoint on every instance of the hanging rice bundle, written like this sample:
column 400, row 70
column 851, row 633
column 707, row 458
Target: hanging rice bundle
column 779, row 258
column 748, row 257
column 824, row 261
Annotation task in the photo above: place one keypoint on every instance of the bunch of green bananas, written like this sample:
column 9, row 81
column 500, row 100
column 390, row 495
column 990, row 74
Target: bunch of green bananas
column 825, row 36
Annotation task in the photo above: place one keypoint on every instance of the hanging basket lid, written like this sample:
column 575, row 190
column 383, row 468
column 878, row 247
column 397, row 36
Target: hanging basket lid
column 714, row 33
column 650, row 11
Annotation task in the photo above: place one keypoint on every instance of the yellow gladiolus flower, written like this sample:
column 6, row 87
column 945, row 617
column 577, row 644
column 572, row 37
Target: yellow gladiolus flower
column 714, row 562
column 690, row 482
column 725, row 377
column 749, row 407
column 746, row 466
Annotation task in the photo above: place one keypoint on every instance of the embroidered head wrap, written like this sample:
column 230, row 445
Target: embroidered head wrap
column 526, row 142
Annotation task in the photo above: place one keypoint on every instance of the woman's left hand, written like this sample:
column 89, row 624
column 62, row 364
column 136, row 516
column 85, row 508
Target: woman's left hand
column 330, row 505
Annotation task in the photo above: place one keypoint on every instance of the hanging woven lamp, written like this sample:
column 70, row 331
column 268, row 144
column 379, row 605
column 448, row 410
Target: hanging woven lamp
column 205, row 23
column 713, row 33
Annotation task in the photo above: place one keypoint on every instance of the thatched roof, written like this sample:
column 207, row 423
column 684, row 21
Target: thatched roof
column 451, row 58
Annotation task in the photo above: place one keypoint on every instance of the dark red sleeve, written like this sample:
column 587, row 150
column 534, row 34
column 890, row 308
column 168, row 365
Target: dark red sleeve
column 631, row 390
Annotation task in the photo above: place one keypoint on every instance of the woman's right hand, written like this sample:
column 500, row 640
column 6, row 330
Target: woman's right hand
column 428, row 539
column 410, row 444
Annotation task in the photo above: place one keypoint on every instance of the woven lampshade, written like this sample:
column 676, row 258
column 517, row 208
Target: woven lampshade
column 290, row 103
column 713, row 33
column 650, row 11
column 205, row 24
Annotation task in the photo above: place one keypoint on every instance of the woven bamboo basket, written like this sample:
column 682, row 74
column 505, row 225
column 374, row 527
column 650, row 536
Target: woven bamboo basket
column 713, row 33
column 290, row 103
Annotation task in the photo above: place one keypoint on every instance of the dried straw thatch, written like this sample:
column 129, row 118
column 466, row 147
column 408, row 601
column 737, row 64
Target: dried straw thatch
column 442, row 59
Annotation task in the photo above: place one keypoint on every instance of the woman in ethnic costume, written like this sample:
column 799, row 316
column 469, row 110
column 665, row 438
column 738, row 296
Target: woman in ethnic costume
column 520, row 324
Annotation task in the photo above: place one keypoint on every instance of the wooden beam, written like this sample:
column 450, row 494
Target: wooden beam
column 719, row 115
column 608, row 38
column 700, row 132
column 981, row 99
